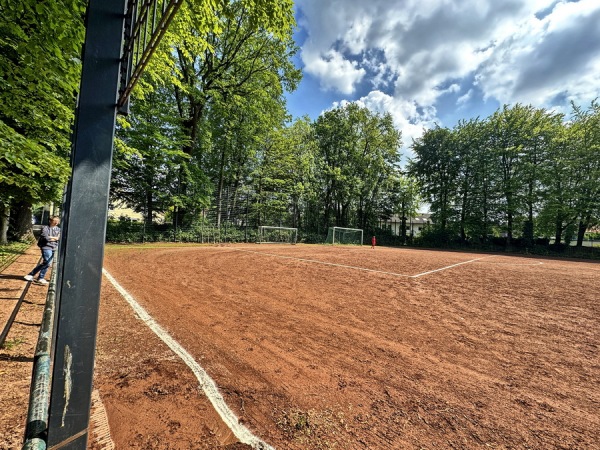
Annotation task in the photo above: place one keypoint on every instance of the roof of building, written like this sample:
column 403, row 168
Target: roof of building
column 419, row 219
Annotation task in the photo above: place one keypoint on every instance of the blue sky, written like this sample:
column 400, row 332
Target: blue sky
column 439, row 61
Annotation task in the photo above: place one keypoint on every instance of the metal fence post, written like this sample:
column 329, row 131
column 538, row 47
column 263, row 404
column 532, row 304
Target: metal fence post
column 85, row 215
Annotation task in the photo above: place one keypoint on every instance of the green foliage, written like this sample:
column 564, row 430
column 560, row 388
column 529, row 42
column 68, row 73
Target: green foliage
column 40, row 46
column 224, row 66
column 436, row 166
column 435, row 237
column 283, row 175
column 27, row 170
column 358, row 151
column 125, row 231
column 10, row 344
column 149, row 163
column 40, row 43
column 522, row 171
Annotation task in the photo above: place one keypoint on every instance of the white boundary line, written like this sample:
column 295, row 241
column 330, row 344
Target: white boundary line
column 326, row 263
column 449, row 267
column 538, row 263
column 364, row 269
column 208, row 385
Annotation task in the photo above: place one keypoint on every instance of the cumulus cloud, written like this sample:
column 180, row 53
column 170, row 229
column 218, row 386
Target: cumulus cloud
column 334, row 71
column 555, row 57
column 465, row 98
column 405, row 56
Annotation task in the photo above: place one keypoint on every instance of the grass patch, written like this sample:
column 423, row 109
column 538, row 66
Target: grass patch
column 322, row 429
column 12, row 343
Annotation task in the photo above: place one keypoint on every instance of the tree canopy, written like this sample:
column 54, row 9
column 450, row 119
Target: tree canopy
column 210, row 140
column 40, row 47
column 522, row 172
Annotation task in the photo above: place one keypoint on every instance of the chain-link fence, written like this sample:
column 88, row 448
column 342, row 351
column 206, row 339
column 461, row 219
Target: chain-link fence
column 127, row 231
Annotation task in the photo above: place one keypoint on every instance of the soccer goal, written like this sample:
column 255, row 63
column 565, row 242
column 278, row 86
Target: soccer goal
column 339, row 235
column 277, row 235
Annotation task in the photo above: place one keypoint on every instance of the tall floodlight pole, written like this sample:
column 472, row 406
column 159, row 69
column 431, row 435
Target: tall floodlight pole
column 85, row 215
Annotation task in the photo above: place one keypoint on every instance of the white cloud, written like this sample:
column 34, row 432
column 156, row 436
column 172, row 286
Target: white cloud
column 465, row 98
column 409, row 57
column 333, row 71
column 555, row 57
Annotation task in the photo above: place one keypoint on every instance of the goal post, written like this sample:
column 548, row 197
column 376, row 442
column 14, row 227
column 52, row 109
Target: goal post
column 277, row 235
column 340, row 235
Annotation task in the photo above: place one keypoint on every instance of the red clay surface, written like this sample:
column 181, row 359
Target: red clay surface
column 16, row 357
column 311, row 351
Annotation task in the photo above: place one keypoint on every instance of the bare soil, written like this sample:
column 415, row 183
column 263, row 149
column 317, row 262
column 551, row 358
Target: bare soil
column 16, row 357
column 318, row 347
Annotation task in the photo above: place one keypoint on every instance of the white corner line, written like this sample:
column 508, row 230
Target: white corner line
column 209, row 387
column 449, row 267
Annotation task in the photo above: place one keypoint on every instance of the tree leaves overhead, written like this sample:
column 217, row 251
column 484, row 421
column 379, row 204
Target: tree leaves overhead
column 226, row 65
column 40, row 44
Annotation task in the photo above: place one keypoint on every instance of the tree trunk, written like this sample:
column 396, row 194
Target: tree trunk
column 327, row 208
column 528, row 233
column 509, row 221
column 444, row 217
column 581, row 229
column 528, row 226
column 485, row 214
column 463, row 215
column 220, row 187
column 4, row 217
column 20, row 228
column 177, row 215
column 559, row 230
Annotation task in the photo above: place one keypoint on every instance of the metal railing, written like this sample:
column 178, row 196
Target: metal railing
column 39, row 397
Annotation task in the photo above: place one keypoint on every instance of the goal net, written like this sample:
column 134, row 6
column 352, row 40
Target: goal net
column 339, row 235
column 277, row 235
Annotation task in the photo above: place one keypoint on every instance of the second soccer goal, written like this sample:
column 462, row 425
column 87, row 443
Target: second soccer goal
column 339, row 235
column 277, row 235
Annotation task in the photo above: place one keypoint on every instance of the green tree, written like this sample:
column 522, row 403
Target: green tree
column 376, row 157
column 510, row 135
column 221, row 59
column 149, row 157
column 401, row 196
column 558, row 212
column 540, row 131
column 436, row 166
column 283, row 176
column 358, row 151
column 586, row 154
column 474, row 178
column 40, row 45
column 570, row 177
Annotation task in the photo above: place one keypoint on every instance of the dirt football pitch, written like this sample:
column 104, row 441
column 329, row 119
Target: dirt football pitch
column 317, row 347
column 322, row 347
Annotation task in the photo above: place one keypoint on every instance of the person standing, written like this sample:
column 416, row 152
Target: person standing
column 373, row 242
column 48, row 243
